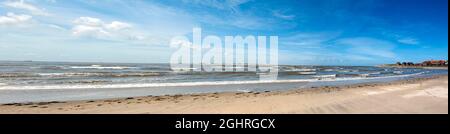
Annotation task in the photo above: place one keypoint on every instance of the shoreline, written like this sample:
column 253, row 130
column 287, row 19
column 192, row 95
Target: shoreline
column 64, row 94
column 420, row 67
column 326, row 99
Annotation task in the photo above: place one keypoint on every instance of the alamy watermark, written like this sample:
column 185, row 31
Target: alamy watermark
column 258, row 54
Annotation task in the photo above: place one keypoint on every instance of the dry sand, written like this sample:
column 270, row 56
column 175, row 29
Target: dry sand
column 428, row 95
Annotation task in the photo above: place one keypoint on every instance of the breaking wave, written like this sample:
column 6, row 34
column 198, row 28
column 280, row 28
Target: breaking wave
column 210, row 83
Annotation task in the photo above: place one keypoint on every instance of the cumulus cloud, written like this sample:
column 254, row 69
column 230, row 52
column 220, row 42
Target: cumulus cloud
column 20, row 4
column 94, row 27
column 14, row 19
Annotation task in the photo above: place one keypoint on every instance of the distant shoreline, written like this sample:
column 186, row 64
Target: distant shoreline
column 422, row 67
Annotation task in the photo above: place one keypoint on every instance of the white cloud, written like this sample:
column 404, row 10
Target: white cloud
column 116, row 26
column 84, row 30
column 309, row 40
column 235, row 16
column 20, row 4
column 14, row 19
column 94, row 27
column 88, row 21
column 281, row 15
column 410, row 41
column 56, row 27
column 232, row 5
column 369, row 47
column 325, row 48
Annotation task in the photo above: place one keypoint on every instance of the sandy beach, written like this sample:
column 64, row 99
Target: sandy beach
column 426, row 95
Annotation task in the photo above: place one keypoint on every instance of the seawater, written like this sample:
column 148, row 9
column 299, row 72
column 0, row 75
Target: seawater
column 48, row 81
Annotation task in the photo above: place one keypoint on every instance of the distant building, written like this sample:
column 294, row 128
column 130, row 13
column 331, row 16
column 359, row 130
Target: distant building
column 425, row 63
column 435, row 63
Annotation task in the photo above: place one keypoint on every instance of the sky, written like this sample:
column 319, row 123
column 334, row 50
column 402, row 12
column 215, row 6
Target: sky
column 310, row 32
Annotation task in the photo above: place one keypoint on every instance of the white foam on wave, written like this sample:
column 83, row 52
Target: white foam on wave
column 70, row 74
column 99, row 74
column 211, row 83
column 326, row 76
column 243, row 90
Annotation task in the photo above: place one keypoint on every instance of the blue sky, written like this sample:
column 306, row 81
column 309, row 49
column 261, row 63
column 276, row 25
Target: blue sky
column 312, row 32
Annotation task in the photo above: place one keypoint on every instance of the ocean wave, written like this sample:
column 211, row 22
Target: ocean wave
column 373, row 74
column 243, row 90
column 51, row 67
column 102, row 67
column 12, row 75
column 84, row 82
column 143, row 85
column 350, row 75
column 100, row 74
column 183, row 69
column 298, row 69
column 325, row 76
column 299, row 73
column 214, row 73
column 398, row 72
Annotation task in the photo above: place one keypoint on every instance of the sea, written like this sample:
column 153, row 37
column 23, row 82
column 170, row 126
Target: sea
column 30, row 81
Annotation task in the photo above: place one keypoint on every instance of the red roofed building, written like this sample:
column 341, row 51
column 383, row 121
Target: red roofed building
column 435, row 63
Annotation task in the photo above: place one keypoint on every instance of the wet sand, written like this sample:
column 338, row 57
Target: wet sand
column 425, row 95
